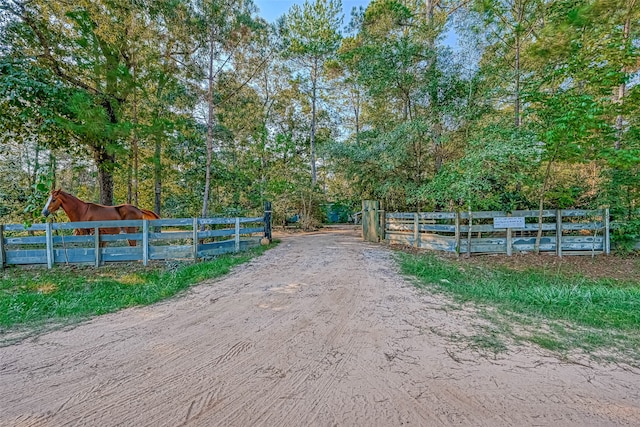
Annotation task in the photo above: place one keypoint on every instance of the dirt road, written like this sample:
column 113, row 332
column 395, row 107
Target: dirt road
column 321, row 331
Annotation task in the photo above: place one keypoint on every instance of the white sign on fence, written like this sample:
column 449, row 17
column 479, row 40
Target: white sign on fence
column 508, row 222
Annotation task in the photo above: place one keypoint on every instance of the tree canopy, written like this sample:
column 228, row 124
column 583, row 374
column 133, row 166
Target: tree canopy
column 196, row 108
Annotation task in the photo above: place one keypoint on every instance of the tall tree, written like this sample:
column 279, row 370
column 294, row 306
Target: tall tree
column 414, row 99
column 589, row 50
column 92, row 49
column 510, row 27
column 223, row 27
column 311, row 34
column 169, row 64
column 85, row 45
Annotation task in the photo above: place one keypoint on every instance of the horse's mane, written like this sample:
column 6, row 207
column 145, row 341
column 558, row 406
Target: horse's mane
column 69, row 195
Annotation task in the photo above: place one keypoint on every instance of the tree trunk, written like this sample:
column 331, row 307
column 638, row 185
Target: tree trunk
column 157, row 175
column 429, row 8
column 516, row 106
column 132, row 196
column 105, row 162
column 53, row 165
column 536, row 246
column 356, row 112
column 356, row 101
column 622, row 89
column 130, row 179
column 438, row 158
column 134, row 178
column 314, row 89
column 36, row 165
column 210, row 111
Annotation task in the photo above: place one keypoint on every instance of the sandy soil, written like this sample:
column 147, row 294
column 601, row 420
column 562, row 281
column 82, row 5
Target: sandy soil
column 321, row 330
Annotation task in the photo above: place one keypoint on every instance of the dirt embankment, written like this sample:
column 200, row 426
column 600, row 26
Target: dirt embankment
column 321, row 330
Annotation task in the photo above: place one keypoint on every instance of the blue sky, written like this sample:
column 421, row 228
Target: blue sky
column 273, row 9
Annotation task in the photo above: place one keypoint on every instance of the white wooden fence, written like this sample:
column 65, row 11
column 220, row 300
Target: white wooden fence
column 565, row 232
column 161, row 239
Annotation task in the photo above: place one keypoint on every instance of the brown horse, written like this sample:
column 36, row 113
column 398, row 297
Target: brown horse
column 77, row 210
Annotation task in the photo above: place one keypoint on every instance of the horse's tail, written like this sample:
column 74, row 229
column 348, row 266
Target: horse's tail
column 147, row 214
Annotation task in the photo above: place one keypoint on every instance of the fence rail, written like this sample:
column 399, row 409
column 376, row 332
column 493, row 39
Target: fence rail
column 162, row 239
column 566, row 231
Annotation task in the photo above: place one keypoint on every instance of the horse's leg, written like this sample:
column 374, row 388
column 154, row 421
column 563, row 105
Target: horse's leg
column 104, row 231
column 131, row 230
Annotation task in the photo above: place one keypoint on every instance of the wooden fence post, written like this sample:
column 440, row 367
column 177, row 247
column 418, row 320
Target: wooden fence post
column 457, row 233
column 416, row 230
column 559, row 233
column 469, row 234
column 267, row 220
column 195, row 239
column 237, row 235
column 49, row 239
column 96, row 234
column 145, row 242
column 509, row 240
column 607, row 235
column 2, row 260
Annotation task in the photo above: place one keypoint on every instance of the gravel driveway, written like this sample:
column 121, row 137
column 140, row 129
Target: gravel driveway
column 321, row 330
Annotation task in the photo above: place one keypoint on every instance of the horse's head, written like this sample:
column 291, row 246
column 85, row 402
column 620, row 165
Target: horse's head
column 53, row 203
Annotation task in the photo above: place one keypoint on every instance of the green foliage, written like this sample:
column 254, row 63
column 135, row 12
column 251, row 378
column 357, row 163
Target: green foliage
column 416, row 103
column 493, row 175
column 30, row 102
column 38, row 196
column 538, row 104
column 626, row 234
column 583, row 61
column 313, row 30
column 339, row 212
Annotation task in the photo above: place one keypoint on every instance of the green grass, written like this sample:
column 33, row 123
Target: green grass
column 578, row 312
column 548, row 342
column 488, row 340
column 30, row 298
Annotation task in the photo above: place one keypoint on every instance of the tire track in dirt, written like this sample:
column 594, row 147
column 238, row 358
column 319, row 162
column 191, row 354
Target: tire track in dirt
column 318, row 331
column 312, row 373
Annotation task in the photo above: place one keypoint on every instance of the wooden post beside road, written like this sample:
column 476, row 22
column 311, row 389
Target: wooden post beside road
column 559, row 233
column 49, row 240
column 457, row 235
column 1, row 247
column 416, row 230
column 267, row 221
column 96, row 235
column 145, row 242
column 509, row 240
column 237, row 235
column 195, row 239
column 469, row 234
column 607, row 235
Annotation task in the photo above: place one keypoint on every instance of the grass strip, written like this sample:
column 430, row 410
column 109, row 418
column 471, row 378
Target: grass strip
column 32, row 297
column 603, row 304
